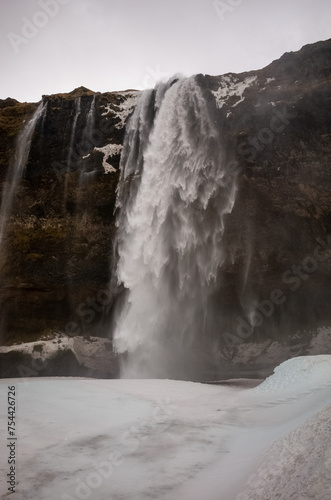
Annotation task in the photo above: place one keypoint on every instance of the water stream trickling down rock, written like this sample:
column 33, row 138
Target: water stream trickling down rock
column 15, row 173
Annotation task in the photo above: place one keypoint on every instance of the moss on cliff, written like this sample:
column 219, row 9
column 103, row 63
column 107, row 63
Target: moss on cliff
column 12, row 118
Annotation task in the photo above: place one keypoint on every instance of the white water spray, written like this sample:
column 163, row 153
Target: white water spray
column 173, row 195
column 17, row 168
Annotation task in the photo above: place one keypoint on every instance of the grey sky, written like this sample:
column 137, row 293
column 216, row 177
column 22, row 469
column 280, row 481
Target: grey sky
column 118, row 44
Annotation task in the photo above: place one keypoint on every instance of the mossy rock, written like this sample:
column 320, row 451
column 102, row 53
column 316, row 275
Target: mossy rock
column 35, row 257
column 29, row 240
column 12, row 118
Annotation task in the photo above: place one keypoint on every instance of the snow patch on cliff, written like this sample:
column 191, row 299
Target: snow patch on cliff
column 91, row 352
column 108, row 151
column 231, row 86
column 42, row 349
column 124, row 109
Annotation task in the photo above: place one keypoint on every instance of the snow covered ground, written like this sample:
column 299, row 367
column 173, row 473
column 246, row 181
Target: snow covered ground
column 166, row 439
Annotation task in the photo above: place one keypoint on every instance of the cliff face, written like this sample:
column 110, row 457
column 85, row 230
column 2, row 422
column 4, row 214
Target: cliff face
column 277, row 130
column 276, row 127
column 57, row 251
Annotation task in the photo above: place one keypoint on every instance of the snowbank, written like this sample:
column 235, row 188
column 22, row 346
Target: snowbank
column 297, row 374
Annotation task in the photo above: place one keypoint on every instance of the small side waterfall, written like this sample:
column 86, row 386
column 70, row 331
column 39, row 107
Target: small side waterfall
column 90, row 120
column 73, row 130
column 173, row 195
column 20, row 161
column 87, row 139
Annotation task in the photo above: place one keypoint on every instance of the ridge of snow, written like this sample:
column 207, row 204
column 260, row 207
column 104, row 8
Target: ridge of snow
column 89, row 352
column 49, row 347
column 303, row 372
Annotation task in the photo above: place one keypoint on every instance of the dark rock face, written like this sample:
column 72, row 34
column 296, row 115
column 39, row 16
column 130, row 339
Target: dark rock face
column 279, row 233
column 275, row 122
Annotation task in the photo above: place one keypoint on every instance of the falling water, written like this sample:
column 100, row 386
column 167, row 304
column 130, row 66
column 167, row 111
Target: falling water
column 90, row 120
column 172, row 198
column 73, row 130
column 87, row 141
column 20, row 161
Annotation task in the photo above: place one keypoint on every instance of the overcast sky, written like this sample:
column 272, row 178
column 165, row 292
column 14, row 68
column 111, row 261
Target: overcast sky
column 51, row 46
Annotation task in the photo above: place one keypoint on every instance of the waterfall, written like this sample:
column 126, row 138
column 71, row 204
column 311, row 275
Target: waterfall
column 90, row 120
column 73, row 130
column 16, row 169
column 87, row 140
column 172, row 198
